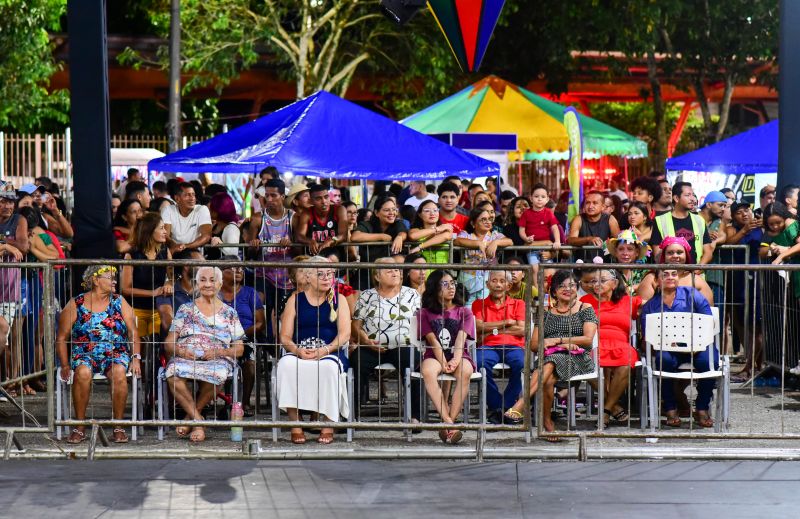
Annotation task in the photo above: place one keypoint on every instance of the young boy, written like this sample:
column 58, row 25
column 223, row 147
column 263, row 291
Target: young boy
column 538, row 226
column 448, row 202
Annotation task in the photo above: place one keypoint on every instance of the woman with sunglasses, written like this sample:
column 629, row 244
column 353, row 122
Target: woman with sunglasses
column 569, row 329
column 314, row 332
column 481, row 243
column 444, row 324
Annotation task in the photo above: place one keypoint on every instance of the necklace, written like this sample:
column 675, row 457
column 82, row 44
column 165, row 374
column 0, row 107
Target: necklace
column 566, row 311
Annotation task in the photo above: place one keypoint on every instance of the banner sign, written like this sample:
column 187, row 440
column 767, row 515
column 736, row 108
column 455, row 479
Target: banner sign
column 572, row 123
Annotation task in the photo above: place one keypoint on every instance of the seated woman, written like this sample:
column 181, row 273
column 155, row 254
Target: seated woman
column 444, row 324
column 615, row 309
column 627, row 248
column 483, row 244
column 382, row 326
column 250, row 309
column 315, row 329
column 415, row 278
column 569, row 329
column 100, row 327
column 384, row 226
column 203, row 343
column 677, row 251
column 128, row 213
column 672, row 297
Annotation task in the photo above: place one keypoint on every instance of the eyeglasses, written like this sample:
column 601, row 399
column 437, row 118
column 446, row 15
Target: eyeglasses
column 568, row 286
column 430, row 211
column 326, row 274
column 486, row 220
column 108, row 278
column 599, row 281
column 352, row 212
column 447, row 284
column 388, row 210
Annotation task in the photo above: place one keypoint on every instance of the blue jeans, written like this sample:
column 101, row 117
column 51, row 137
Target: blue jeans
column 669, row 361
column 514, row 356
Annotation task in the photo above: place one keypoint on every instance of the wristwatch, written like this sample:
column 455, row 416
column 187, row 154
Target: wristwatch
column 136, row 356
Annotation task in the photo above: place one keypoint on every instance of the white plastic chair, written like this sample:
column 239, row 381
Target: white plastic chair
column 663, row 332
column 596, row 374
column 64, row 410
column 478, row 377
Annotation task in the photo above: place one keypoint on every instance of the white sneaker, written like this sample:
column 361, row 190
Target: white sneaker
column 795, row 370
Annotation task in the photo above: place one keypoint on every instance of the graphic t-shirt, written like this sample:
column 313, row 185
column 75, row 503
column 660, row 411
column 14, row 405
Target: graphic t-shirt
column 683, row 229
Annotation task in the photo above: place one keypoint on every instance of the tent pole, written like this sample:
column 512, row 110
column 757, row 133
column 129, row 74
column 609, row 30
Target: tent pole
column 364, row 192
column 627, row 182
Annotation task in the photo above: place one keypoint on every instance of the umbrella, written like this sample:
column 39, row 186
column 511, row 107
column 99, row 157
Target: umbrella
column 493, row 105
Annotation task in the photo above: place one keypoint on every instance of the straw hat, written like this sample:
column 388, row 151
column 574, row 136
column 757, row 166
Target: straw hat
column 628, row 236
column 293, row 192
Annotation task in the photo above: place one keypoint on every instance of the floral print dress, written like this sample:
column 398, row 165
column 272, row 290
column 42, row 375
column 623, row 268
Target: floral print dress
column 99, row 339
column 202, row 333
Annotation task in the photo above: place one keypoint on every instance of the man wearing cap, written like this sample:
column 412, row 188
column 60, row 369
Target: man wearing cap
column 324, row 225
column 714, row 206
column 683, row 223
column 13, row 247
column 35, row 192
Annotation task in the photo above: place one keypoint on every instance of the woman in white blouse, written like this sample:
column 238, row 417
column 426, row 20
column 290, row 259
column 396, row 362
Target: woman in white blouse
column 382, row 329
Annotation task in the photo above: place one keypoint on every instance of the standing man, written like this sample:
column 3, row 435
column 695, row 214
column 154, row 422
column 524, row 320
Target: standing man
column 133, row 176
column 188, row 225
column 322, row 227
column 335, row 194
column 646, row 190
column 682, row 222
column 448, row 203
column 419, row 193
column 713, row 208
column 592, row 227
column 500, row 324
column 664, row 203
column 765, row 197
column 613, row 189
column 136, row 190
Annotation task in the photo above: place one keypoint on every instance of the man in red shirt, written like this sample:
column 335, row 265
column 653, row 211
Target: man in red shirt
column 448, row 202
column 500, row 325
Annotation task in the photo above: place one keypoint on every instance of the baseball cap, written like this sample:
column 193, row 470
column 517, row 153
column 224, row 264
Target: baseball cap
column 32, row 188
column 714, row 196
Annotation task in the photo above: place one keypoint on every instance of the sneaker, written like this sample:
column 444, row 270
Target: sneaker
column 795, row 370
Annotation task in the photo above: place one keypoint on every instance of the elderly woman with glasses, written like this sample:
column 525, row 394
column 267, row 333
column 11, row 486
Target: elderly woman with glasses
column 101, row 330
column 203, row 343
column 569, row 329
column 384, row 226
column 382, row 326
column 314, row 332
column 481, row 243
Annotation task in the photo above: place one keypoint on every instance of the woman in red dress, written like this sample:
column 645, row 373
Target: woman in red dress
column 615, row 309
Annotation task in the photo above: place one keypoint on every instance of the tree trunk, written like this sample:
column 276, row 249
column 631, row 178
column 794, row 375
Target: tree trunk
column 702, row 100
column 725, row 107
column 660, row 151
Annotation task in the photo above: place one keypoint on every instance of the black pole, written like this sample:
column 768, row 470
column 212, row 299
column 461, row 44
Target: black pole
column 788, row 85
column 174, row 124
column 91, row 164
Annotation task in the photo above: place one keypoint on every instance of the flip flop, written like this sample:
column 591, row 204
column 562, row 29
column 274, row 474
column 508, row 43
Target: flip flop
column 703, row 420
column 119, row 436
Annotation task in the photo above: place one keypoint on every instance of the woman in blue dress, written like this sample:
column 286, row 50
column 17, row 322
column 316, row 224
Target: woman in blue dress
column 315, row 330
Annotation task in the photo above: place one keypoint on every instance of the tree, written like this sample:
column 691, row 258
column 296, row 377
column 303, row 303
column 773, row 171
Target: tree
column 319, row 44
column 718, row 42
column 27, row 64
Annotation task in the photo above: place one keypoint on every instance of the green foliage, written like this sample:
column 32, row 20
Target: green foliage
column 26, row 64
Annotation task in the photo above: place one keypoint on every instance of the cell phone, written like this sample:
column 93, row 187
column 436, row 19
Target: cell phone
column 46, row 197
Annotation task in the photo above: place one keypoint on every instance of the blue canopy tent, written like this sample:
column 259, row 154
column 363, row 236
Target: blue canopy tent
column 745, row 163
column 326, row 136
column 753, row 151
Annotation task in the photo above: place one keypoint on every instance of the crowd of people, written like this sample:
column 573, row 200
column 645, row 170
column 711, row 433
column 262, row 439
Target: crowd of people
column 200, row 323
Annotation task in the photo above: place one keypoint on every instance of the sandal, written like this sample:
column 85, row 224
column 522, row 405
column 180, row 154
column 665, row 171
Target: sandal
column 513, row 417
column 76, row 436
column 550, row 439
column 673, row 421
column 620, row 416
column 454, row 436
column 119, row 436
column 197, row 435
column 298, row 438
column 28, row 390
column 183, row 431
column 443, row 435
column 325, row 438
column 703, row 420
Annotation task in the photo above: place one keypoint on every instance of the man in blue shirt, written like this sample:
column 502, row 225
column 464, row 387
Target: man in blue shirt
column 674, row 298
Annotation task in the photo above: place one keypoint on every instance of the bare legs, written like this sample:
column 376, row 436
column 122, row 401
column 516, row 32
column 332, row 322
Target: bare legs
column 82, row 385
column 431, row 369
column 617, row 378
column 548, row 383
column 184, row 395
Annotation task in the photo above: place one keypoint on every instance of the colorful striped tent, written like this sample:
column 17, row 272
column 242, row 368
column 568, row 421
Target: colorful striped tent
column 493, row 105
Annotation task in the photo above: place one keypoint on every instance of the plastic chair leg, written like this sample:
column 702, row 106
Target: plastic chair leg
column 274, row 401
column 134, row 407
column 59, row 405
column 350, row 398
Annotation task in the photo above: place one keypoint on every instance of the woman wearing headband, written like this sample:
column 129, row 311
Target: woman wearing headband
column 101, row 331
column 675, row 250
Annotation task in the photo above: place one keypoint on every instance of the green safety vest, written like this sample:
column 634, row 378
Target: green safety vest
column 666, row 227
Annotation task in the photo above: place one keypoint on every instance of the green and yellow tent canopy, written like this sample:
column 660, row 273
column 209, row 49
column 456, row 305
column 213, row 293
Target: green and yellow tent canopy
column 493, row 105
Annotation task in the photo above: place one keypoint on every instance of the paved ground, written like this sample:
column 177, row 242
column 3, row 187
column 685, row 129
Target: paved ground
column 156, row 489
